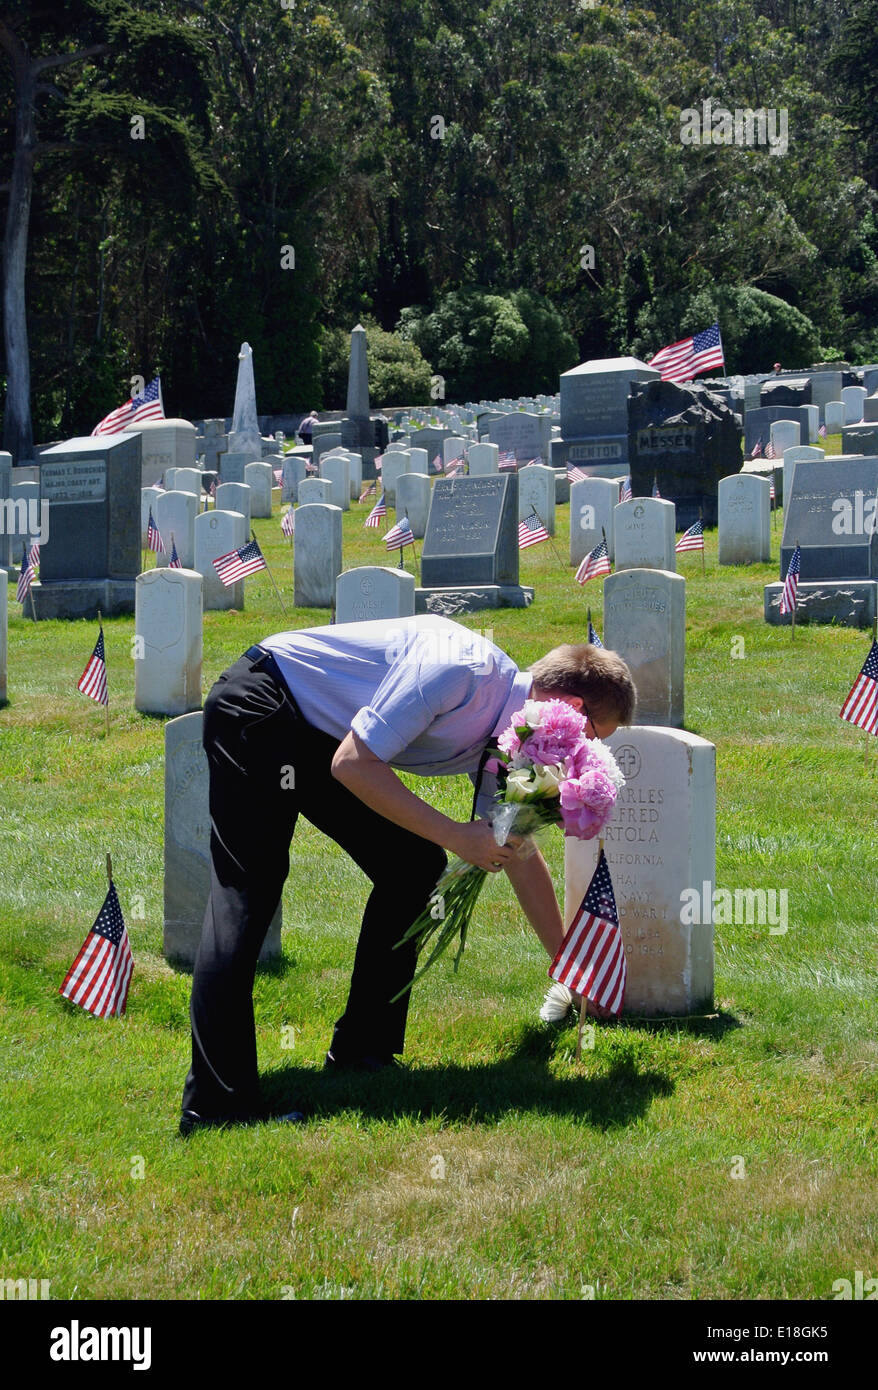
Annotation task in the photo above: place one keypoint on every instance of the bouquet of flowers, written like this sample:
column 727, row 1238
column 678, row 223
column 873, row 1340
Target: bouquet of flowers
column 548, row 773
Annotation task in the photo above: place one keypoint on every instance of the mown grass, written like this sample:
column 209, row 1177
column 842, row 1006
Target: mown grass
column 617, row 1174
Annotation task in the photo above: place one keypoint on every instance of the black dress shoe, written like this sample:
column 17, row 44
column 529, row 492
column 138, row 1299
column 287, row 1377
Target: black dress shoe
column 367, row 1063
column 190, row 1120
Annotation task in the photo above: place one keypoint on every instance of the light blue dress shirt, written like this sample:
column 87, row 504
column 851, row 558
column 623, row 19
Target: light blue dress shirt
column 424, row 694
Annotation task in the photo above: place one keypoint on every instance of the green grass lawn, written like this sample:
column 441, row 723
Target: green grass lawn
column 725, row 1158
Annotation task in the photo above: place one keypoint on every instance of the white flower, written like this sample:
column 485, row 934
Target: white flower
column 520, row 785
column 547, row 777
column 533, row 713
column 603, row 755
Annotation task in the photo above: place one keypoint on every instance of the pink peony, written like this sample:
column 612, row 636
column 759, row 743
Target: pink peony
column 586, row 804
column 509, row 742
column 560, row 731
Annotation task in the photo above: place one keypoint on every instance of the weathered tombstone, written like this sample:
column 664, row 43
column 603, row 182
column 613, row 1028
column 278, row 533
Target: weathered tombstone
column 592, row 501
column 169, row 480
column 825, row 386
column 92, row 556
column 594, row 414
column 870, row 410
column 687, row 439
column 244, row 436
column 744, row 520
column 232, row 465
column 164, row 444
column 234, row 497
column 536, row 493
column 324, row 444
column 644, row 534
column 314, row 490
column 788, row 390
column 469, row 558
column 812, row 434
column 168, row 642
column 187, row 480
column 660, row 847
column 785, row 434
column 187, row 844
column 175, row 514
column 758, row 423
column 258, row 477
column 337, row 471
column 483, row 458
column 218, row 533
column 294, row 471
column 392, row 467
column 452, row 448
column 317, row 561
column 149, row 496
column 413, row 500
column 420, row 462
column 645, row 622
column 831, row 514
column 791, row 457
column 852, row 399
column 521, row 433
column 859, row 439
column 835, row 413
column 430, row 439
column 374, row 591
column 4, row 635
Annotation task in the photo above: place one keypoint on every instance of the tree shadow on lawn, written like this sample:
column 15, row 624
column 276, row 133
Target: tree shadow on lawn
column 478, row 1094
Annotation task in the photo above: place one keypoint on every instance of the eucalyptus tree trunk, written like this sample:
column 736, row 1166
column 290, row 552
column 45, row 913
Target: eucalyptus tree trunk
column 17, row 431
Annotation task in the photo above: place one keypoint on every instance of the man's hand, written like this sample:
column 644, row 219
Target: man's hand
column 474, row 842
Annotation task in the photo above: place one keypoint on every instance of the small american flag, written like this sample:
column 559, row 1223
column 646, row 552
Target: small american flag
column 592, row 634
column 770, row 451
column 531, row 531
column 591, row 959
column 506, row 459
column 278, row 475
column 34, row 555
column 626, row 493
column 237, row 564
column 368, row 491
column 861, row 706
column 25, row 576
column 379, row 460
column 454, row 466
column 212, row 488
column 93, row 681
column 99, row 977
column 437, row 464
column 160, row 484
column 400, row 535
column 145, row 407
column 153, row 538
column 655, row 489
column 575, row 475
column 175, row 563
column 311, row 466
column 288, row 522
column 693, row 539
column 791, row 583
column 758, row 448
column 378, row 511
column 683, row 360
column 822, row 431
column 597, row 562
column 772, row 490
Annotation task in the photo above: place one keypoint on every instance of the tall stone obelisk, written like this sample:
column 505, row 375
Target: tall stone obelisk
column 244, row 437
column 358, row 377
column 359, row 431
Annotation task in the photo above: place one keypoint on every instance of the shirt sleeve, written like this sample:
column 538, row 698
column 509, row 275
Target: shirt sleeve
column 414, row 692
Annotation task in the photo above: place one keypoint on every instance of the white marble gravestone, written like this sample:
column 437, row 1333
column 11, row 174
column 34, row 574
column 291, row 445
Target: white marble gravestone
column 744, row 519
column 374, row 591
column 164, row 444
column 813, row 414
column 217, row 533
column 660, row 845
column 336, row 469
column 644, row 534
column 234, row 497
column 645, row 622
column 421, row 462
column 536, row 493
column 592, row 502
column 852, row 399
column 258, row 477
column 483, row 458
column 175, row 514
column 293, row 473
column 169, row 480
column 149, row 496
column 317, row 561
column 187, row 844
column 413, row 493
column 784, row 435
column 314, row 490
column 394, row 464
column 796, row 454
column 835, row 417
column 188, row 480
column 168, row 641
column 452, row 448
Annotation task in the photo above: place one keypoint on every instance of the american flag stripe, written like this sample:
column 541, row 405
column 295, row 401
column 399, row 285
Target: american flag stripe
column 626, row 494
column 861, row 705
column 596, row 563
column 238, row 564
column 575, row 475
column 791, row 583
column 683, row 360
column 531, row 531
column 93, row 681
column 136, row 408
column 693, row 539
column 591, row 958
column 99, row 977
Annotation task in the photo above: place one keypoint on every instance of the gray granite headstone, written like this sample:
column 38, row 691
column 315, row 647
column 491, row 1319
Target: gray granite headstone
column 645, row 622
column 6, row 557
column 472, row 533
column 831, row 515
column 187, row 844
column 594, row 413
column 859, row 439
column 168, row 443
column 524, row 434
column 374, row 591
column 757, row 424
column 317, row 555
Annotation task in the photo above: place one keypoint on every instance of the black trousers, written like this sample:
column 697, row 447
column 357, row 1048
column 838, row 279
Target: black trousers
column 253, row 736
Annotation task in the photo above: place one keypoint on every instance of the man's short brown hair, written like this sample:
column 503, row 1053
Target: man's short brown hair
column 601, row 679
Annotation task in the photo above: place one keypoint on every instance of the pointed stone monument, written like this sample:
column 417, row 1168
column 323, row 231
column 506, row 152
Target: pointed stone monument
column 364, row 434
column 244, row 437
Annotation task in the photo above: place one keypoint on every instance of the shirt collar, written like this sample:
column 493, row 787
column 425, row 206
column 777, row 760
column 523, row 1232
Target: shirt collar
column 522, row 683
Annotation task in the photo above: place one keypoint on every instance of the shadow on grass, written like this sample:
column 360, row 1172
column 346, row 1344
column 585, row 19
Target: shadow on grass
column 713, row 1026
column 478, row 1094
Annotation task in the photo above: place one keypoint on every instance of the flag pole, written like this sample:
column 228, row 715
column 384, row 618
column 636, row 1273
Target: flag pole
column 109, row 870
column 582, row 1001
column 107, row 705
column 551, row 541
column 270, row 575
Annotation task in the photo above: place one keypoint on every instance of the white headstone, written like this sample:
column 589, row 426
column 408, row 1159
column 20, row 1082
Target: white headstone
column 175, row 514
column 392, row 466
column 835, row 416
column 644, row 534
column 164, row 444
column 744, row 519
column 813, row 413
column 293, row 472
column 536, row 493
column 421, row 462
column 413, row 501
column 216, row 534
column 374, row 591
column 453, row 448
column 149, row 496
column 4, row 634
column 187, row 844
column 592, row 502
column 168, row 641
column 483, row 458
column 234, row 497
column 314, row 490
column 258, row 477
column 784, row 435
column 660, row 847
column 791, row 457
column 336, row 469
column 645, row 622
column 852, row 399
column 317, row 561
column 168, row 480
column 188, row 480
